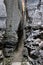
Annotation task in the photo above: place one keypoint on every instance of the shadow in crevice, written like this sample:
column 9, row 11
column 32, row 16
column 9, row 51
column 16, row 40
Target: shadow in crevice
column 20, row 33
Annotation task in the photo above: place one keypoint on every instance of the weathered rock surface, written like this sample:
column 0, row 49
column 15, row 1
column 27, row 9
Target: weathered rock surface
column 2, row 9
column 3, row 16
column 34, row 35
column 13, row 21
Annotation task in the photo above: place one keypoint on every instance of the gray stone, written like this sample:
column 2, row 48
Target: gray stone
column 3, row 14
column 8, row 52
column 37, row 18
column 3, row 23
column 33, row 42
column 32, row 6
column 1, row 55
column 13, row 20
column 25, row 52
column 20, row 5
column 2, row 9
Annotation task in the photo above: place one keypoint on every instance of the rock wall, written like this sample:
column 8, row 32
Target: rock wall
column 33, row 44
column 3, row 16
column 9, row 20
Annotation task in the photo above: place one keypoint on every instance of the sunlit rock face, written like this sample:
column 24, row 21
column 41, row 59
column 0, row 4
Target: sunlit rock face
column 3, row 14
column 33, row 43
column 34, row 12
column 1, row 1
column 2, row 9
column 37, row 18
column 31, row 6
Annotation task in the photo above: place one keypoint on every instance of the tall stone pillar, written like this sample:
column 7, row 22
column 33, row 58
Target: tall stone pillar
column 12, row 23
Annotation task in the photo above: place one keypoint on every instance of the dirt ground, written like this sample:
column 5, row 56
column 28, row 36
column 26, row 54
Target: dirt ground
column 17, row 56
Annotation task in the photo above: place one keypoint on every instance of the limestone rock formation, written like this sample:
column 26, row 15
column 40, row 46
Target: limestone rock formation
column 34, row 34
